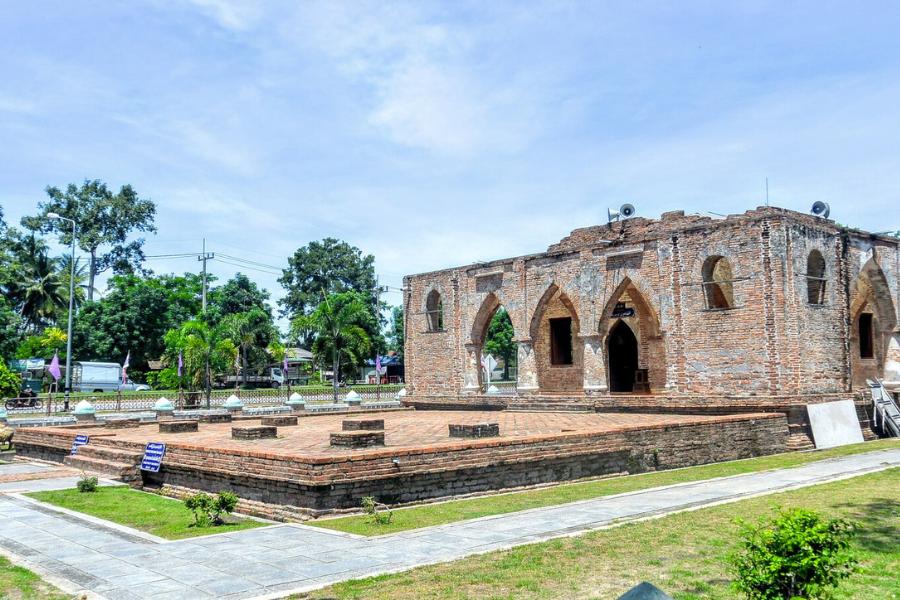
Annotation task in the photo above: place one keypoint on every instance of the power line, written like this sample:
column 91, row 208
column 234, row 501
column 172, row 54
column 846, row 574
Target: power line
column 251, row 262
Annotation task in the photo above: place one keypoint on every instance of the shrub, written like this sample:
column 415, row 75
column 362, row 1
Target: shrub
column 208, row 509
column 87, row 484
column 796, row 555
column 9, row 382
column 380, row 513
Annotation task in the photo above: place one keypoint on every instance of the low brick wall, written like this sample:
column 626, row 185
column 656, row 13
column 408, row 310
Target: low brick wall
column 280, row 485
column 177, row 426
column 126, row 423
column 479, row 430
column 363, row 425
column 357, row 439
column 278, row 420
column 254, row 433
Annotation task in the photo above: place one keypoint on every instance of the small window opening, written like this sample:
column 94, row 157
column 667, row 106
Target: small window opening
column 434, row 311
column 866, row 336
column 815, row 277
column 561, row 341
column 717, row 283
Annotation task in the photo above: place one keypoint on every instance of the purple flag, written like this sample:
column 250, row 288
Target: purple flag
column 53, row 369
column 378, row 363
column 125, row 367
column 180, row 364
column 285, row 364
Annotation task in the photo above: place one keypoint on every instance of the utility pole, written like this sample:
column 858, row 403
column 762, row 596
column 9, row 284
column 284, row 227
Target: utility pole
column 205, row 257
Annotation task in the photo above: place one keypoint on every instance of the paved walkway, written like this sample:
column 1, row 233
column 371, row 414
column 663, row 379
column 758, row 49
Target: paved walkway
column 113, row 562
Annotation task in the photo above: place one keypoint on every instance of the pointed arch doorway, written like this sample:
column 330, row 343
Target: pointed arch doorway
column 622, row 349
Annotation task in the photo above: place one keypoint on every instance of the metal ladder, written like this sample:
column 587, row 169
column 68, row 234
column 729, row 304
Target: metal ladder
column 886, row 408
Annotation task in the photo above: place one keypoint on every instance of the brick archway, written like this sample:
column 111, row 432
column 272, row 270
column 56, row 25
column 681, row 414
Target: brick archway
column 558, row 351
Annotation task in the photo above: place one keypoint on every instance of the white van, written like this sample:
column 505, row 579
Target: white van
column 102, row 377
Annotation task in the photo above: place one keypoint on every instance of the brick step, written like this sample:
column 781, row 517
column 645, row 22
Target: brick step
column 799, row 442
column 550, row 407
column 109, row 453
column 126, row 472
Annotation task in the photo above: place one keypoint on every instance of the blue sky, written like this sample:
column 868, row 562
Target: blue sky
column 437, row 134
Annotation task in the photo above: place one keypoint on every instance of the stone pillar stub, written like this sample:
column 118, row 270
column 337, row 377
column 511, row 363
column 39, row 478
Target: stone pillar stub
column 473, row 364
column 526, row 367
column 594, row 364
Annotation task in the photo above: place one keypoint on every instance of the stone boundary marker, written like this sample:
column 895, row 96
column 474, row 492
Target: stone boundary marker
column 357, row 439
column 363, row 425
column 254, row 432
column 180, row 426
column 477, row 430
column 122, row 423
column 216, row 418
column 278, row 420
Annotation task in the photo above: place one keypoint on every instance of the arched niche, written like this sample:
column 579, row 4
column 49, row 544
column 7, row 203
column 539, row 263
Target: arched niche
column 873, row 318
column 641, row 318
column 559, row 354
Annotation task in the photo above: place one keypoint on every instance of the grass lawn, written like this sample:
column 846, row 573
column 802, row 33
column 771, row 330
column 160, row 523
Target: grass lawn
column 19, row 583
column 459, row 510
column 158, row 515
column 683, row 554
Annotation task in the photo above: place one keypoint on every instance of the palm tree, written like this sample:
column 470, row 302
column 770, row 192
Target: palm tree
column 81, row 276
column 251, row 332
column 40, row 286
column 204, row 348
column 335, row 324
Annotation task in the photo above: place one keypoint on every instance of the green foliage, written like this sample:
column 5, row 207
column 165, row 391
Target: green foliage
column 9, row 382
column 238, row 295
column 134, row 317
column 252, row 333
column 380, row 513
column 335, row 323
column 499, row 342
column 103, row 219
column 10, row 329
column 797, row 554
column 396, row 332
column 87, row 483
column 208, row 510
column 206, row 350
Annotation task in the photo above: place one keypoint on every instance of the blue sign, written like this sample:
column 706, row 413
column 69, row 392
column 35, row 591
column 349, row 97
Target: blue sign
column 153, row 457
column 80, row 440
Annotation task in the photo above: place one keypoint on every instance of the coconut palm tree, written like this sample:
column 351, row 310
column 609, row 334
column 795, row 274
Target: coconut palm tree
column 338, row 335
column 251, row 332
column 39, row 284
column 81, row 277
column 204, row 349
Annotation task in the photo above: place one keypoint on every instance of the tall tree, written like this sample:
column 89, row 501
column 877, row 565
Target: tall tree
column 335, row 323
column 103, row 220
column 499, row 342
column 205, row 350
column 238, row 295
column 322, row 269
column 39, row 284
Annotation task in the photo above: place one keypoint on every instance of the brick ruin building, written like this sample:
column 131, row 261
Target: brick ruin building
column 770, row 303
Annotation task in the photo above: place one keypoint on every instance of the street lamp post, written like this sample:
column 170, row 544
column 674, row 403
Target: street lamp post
column 56, row 217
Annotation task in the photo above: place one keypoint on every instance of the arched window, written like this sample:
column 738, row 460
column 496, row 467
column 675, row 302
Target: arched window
column 815, row 277
column 866, row 336
column 434, row 311
column 717, row 282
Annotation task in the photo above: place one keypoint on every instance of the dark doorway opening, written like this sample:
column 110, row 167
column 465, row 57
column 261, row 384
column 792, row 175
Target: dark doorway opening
column 866, row 336
column 622, row 347
column 561, row 341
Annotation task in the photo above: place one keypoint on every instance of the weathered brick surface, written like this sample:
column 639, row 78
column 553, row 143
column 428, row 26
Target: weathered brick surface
column 771, row 341
column 122, row 423
column 278, row 420
column 216, row 418
column 357, row 439
column 362, row 424
column 180, row 426
column 477, row 430
column 254, row 432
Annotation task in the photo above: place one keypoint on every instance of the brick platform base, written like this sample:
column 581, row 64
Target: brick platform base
column 357, row 439
column 279, row 420
column 363, row 425
column 122, row 423
column 258, row 432
column 222, row 418
column 479, row 430
column 177, row 426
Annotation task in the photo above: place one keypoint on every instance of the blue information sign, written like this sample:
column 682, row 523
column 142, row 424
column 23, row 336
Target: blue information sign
column 153, row 457
column 80, row 440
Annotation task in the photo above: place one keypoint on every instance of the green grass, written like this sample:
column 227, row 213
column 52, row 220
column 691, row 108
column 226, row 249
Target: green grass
column 19, row 583
column 683, row 554
column 448, row 512
column 157, row 515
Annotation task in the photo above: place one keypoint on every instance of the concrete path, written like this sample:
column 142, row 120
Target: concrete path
column 113, row 562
